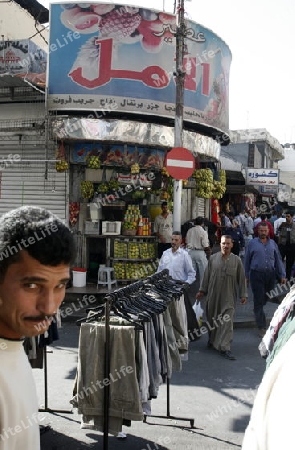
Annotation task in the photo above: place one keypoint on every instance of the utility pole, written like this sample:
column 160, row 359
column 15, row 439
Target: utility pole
column 178, row 124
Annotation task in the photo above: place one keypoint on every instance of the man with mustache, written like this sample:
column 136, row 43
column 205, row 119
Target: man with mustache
column 36, row 250
column 263, row 266
column 223, row 282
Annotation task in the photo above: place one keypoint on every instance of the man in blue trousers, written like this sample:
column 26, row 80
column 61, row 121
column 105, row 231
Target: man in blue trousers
column 263, row 268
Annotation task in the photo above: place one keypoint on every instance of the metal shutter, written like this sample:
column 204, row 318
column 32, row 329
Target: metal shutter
column 31, row 181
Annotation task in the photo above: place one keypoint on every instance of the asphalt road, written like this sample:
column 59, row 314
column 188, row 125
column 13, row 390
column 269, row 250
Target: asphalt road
column 217, row 393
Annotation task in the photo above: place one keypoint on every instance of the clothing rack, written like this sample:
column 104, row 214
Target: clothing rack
column 45, row 372
column 136, row 286
column 168, row 415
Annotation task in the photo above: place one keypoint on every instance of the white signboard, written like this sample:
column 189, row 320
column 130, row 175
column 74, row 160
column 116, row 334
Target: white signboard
column 269, row 190
column 262, row 177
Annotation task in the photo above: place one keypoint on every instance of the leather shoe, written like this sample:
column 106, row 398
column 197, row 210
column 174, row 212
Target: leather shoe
column 227, row 354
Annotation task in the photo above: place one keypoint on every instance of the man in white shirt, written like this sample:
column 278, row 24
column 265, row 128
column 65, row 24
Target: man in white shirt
column 197, row 242
column 177, row 261
column 277, row 224
column 180, row 267
column 241, row 219
column 248, row 230
column 163, row 227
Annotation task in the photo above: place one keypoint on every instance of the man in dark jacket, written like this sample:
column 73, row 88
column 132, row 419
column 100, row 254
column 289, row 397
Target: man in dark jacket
column 237, row 236
column 286, row 233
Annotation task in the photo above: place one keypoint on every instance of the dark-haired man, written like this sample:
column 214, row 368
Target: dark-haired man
column 197, row 242
column 163, row 227
column 286, row 232
column 263, row 266
column 223, row 282
column 270, row 227
column 36, row 250
column 179, row 264
column 177, row 261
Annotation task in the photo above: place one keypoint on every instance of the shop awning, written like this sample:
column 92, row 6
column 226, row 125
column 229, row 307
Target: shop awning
column 240, row 189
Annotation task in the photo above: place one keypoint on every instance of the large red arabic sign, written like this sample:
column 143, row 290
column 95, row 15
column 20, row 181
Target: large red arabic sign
column 112, row 57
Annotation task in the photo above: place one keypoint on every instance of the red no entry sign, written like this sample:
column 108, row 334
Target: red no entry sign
column 180, row 163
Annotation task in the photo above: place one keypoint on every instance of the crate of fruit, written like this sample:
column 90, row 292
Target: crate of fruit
column 133, row 250
column 129, row 232
column 129, row 228
column 119, row 269
column 120, row 249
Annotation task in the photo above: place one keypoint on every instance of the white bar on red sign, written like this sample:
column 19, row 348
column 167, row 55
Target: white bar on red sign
column 179, row 163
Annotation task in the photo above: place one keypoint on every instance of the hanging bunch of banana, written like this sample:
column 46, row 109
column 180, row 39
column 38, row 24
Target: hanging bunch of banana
column 113, row 185
column 135, row 168
column 220, row 186
column 222, row 176
column 204, row 175
column 60, row 154
column 87, row 189
column 103, row 188
column 204, row 183
column 93, row 162
column 218, row 190
column 164, row 172
column 61, row 166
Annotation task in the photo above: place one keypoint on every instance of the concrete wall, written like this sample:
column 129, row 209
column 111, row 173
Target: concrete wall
column 17, row 23
column 238, row 152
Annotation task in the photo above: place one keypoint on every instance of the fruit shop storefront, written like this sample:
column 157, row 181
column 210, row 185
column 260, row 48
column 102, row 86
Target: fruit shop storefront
column 111, row 95
column 116, row 189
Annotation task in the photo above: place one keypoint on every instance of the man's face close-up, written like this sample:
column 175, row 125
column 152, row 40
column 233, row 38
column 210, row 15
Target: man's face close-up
column 175, row 242
column 263, row 232
column 226, row 244
column 30, row 295
column 289, row 218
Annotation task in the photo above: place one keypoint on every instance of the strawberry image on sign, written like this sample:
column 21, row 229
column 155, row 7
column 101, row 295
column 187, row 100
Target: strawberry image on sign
column 119, row 24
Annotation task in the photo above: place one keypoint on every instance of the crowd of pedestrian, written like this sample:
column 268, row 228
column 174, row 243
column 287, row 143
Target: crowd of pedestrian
column 259, row 254
column 256, row 254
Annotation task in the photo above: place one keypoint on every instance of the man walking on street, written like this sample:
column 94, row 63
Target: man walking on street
column 223, row 282
column 177, row 261
column 286, row 237
column 197, row 242
column 263, row 266
column 179, row 264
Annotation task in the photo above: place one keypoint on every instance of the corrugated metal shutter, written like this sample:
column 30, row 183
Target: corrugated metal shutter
column 201, row 207
column 32, row 181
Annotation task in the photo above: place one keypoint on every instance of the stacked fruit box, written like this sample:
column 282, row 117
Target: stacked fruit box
column 119, row 269
column 120, row 249
column 133, row 250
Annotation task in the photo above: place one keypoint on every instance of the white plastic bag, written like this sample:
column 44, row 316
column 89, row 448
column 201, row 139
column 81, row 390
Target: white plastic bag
column 198, row 312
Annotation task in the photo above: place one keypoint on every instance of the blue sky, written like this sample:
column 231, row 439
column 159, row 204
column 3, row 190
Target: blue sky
column 261, row 36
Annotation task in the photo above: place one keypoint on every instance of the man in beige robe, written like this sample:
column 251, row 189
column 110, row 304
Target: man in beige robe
column 223, row 282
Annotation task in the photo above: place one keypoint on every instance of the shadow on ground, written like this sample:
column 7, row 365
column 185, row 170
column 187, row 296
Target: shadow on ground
column 52, row 440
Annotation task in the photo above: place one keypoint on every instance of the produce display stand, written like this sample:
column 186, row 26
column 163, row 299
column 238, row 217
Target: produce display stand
column 132, row 259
